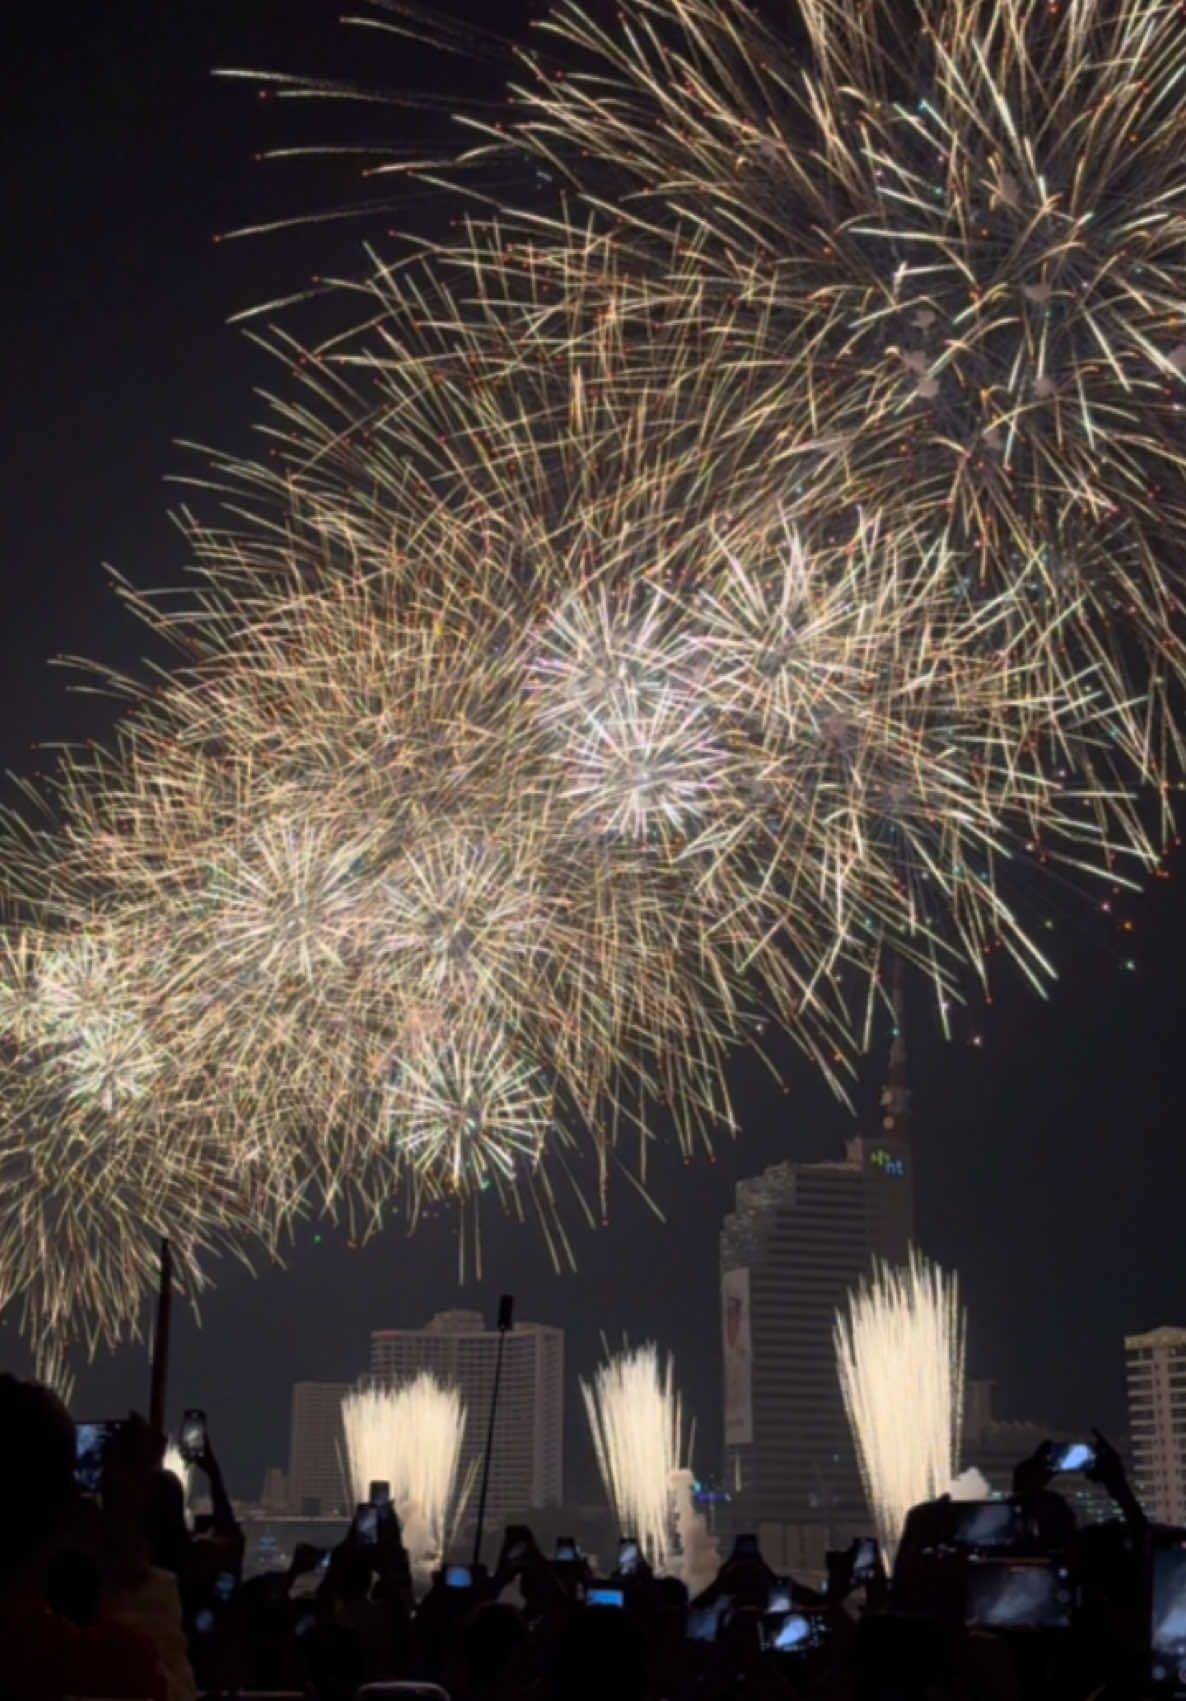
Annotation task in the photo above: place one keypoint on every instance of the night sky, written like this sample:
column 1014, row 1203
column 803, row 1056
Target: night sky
column 1050, row 1156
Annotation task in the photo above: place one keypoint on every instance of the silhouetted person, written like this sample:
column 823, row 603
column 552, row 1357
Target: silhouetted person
column 45, row 1652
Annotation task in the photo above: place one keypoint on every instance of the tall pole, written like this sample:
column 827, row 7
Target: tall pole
column 160, row 1344
column 506, row 1306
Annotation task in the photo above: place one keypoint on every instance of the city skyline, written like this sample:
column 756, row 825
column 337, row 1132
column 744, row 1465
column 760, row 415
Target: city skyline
column 462, row 1349
column 1049, row 1162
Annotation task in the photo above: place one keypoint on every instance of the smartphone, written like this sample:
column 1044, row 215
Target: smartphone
column 989, row 1524
column 866, row 1559
column 90, row 1447
column 745, row 1547
column 599, row 1595
column 1018, row 1594
column 778, row 1598
column 627, row 1556
column 1073, row 1456
column 1167, row 1626
column 458, row 1577
column 566, row 1550
column 224, row 1585
column 380, row 1493
column 366, row 1524
column 793, row 1633
column 192, row 1440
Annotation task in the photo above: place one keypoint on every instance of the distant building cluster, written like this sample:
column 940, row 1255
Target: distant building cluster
column 527, row 1462
column 799, row 1237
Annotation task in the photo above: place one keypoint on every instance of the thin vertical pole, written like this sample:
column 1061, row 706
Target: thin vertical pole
column 160, row 1346
column 505, row 1308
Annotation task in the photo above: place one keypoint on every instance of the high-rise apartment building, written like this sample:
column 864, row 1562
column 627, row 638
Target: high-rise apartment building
column 1155, row 1368
column 527, row 1463
column 800, row 1236
column 316, row 1449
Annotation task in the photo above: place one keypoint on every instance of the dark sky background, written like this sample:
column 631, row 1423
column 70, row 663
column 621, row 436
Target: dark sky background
column 1050, row 1157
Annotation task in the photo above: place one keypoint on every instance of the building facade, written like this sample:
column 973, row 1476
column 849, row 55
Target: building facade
column 1155, row 1371
column 317, row 1451
column 527, row 1462
column 800, row 1237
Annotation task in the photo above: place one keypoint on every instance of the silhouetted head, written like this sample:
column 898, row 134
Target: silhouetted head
column 602, row 1653
column 36, row 1470
column 495, row 1643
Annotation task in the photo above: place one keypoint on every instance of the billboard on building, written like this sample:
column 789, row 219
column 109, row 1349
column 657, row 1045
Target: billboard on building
column 737, row 1357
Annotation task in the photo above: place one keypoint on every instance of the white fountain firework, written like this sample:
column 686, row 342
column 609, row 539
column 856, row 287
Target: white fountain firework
column 411, row 1436
column 369, row 1425
column 900, row 1357
column 636, row 1421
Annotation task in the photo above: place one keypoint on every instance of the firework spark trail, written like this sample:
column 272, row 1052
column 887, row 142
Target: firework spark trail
column 591, row 645
column 427, row 1479
column 86, row 1185
column 900, row 1359
column 370, row 1427
column 52, row 1367
column 636, row 1424
column 377, row 941
column 957, row 236
column 410, row 1436
column 582, row 677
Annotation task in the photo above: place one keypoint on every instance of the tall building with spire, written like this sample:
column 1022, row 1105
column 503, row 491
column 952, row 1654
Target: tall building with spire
column 799, row 1237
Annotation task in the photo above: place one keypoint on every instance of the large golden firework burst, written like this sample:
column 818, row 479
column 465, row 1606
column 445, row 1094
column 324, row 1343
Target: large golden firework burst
column 945, row 243
column 641, row 623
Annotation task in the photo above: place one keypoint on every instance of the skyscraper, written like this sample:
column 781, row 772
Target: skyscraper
column 527, row 1465
column 800, row 1236
column 316, row 1448
column 1155, row 1367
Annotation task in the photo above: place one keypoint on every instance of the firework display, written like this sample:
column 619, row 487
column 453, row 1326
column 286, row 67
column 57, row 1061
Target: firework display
column 944, row 242
column 900, row 1358
column 636, row 1424
column 410, row 1437
column 645, row 620
column 370, row 1430
column 507, row 783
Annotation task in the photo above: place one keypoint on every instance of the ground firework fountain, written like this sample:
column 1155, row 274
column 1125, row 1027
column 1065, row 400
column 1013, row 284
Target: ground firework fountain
column 410, row 1437
column 636, row 1421
column 900, row 1356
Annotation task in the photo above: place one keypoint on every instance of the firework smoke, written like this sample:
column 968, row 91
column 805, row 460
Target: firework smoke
column 970, row 1484
column 900, row 1358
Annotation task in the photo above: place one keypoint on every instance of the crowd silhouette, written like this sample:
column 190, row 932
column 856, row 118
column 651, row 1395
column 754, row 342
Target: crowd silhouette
column 106, row 1593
